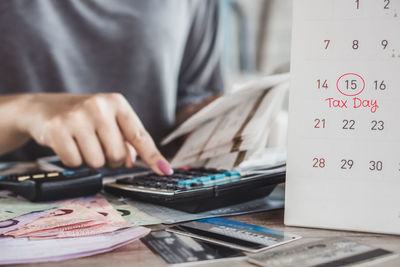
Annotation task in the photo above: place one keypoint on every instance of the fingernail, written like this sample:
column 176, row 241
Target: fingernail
column 133, row 160
column 164, row 167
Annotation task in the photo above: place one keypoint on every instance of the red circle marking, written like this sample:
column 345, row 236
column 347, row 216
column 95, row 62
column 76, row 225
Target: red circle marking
column 337, row 84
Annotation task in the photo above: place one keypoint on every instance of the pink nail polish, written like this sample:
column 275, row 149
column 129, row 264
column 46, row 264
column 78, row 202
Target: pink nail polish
column 133, row 160
column 164, row 167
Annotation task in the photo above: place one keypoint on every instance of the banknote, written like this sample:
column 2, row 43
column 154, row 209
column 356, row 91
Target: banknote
column 19, row 221
column 65, row 218
column 74, row 218
column 100, row 205
column 130, row 213
column 80, row 231
column 11, row 207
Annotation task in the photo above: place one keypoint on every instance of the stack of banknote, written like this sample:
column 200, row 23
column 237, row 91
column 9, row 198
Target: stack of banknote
column 73, row 218
column 75, row 221
column 70, row 218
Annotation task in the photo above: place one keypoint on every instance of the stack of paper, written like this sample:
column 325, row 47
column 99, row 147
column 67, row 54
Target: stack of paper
column 234, row 128
column 22, row 250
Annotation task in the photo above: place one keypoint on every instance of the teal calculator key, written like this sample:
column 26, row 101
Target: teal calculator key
column 205, row 179
column 190, row 183
column 68, row 173
column 221, row 179
column 233, row 176
column 218, row 176
column 232, row 173
column 181, row 182
column 1, row 177
column 187, row 182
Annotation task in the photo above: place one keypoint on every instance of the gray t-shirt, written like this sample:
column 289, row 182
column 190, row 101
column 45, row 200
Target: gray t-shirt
column 159, row 54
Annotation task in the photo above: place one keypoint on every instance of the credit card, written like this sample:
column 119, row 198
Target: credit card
column 329, row 252
column 180, row 250
column 242, row 236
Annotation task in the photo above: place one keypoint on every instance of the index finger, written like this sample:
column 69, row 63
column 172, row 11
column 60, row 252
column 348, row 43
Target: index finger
column 135, row 133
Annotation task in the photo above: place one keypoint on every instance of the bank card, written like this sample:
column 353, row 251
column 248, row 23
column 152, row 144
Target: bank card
column 329, row 252
column 179, row 250
column 234, row 234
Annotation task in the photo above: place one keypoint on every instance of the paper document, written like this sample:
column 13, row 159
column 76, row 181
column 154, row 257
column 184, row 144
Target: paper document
column 23, row 250
column 240, row 133
column 239, row 95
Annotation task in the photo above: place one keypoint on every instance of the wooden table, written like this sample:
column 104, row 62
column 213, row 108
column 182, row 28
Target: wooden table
column 137, row 254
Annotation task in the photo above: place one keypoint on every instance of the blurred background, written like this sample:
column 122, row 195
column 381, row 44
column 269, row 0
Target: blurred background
column 256, row 37
column 256, row 42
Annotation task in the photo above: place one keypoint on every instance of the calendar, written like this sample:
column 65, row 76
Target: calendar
column 344, row 116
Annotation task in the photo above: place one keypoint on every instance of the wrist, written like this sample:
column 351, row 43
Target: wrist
column 12, row 109
column 23, row 113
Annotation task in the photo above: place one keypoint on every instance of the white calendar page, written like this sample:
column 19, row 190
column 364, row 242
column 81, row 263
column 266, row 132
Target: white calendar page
column 344, row 116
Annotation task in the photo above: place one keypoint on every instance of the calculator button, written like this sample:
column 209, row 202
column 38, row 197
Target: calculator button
column 218, row 176
column 23, row 178
column 39, row 176
column 12, row 178
column 232, row 173
column 53, row 174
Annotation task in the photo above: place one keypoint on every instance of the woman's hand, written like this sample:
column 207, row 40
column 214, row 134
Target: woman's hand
column 93, row 129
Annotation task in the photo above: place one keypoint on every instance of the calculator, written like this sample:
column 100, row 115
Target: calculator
column 53, row 185
column 198, row 189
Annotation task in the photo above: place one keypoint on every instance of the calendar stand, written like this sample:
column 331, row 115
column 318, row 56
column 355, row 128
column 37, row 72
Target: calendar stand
column 344, row 116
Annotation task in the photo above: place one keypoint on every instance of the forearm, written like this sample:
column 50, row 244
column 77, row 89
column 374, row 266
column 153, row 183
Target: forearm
column 11, row 114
